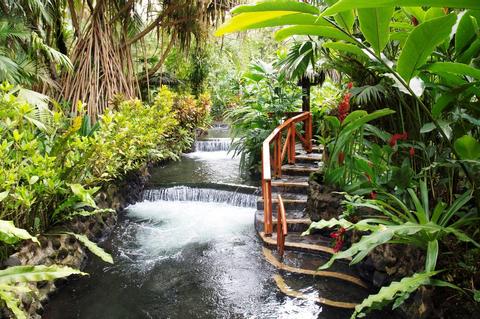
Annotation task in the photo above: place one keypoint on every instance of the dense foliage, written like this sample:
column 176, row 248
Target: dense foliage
column 419, row 63
column 266, row 97
column 44, row 153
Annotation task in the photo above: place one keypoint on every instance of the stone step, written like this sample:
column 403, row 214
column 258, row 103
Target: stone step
column 308, row 158
column 299, row 169
column 295, row 241
column 291, row 202
column 297, row 221
column 315, row 148
column 308, row 264
column 290, row 186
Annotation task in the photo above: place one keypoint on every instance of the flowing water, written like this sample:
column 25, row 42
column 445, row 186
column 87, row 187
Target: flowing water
column 187, row 252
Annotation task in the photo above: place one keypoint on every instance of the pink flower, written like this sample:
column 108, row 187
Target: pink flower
column 373, row 195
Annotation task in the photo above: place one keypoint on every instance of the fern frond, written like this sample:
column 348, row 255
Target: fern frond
column 396, row 291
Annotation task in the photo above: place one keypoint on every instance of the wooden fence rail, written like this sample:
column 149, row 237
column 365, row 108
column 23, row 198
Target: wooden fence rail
column 283, row 139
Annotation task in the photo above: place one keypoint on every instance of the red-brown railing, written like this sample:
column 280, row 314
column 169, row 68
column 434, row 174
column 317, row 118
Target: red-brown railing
column 282, row 229
column 279, row 153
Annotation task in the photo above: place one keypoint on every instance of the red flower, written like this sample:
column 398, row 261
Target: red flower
column 373, row 195
column 350, row 85
column 338, row 246
column 398, row 137
column 412, row 152
column 339, row 241
column 344, row 107
column 341, row 158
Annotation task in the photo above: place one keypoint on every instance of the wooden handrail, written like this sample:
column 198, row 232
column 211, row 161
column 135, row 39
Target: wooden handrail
column 288, row 149
column 282, row 229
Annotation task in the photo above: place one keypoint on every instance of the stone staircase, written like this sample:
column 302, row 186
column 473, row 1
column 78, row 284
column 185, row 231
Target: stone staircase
column 304, row 254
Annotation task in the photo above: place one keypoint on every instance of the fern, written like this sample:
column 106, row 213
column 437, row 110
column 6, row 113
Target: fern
column 397, row 292
column 10, row 234
column 94, row 248
column 13, row 282
column 382, row 235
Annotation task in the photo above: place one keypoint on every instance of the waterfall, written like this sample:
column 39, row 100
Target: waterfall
column 183, row 193
column 213, row 145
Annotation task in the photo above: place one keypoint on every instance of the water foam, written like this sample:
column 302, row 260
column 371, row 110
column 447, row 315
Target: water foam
column 183, row 193
column 165, row 227
column 213, row 145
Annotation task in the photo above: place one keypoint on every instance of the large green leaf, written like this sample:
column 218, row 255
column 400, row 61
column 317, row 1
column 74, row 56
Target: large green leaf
column 420, row 44
column 454, row 68
column 94, row 248
column 10, row 234
column 395, row 291
column 291, row 19
column 18, row 274
column 466, row 32
column 470, row 53
column 345, row 19
column 311, row 30
column 244, row 21
column 278, row 5
column 344, row 5
column 443, row 102
column 467, row 147
column 375, row 26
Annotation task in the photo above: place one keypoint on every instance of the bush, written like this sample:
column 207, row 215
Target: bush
column 43, row 153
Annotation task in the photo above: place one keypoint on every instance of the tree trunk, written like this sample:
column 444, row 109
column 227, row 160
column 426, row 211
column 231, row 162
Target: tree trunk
column 306, row 85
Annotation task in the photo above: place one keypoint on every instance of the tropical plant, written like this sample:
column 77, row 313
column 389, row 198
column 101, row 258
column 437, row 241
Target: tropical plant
column 409, row 222
column 51, row 165
column 267, row 96
column 382, row 38
column 14, row 280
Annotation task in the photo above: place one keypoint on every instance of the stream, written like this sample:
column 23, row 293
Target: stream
column 187, row 250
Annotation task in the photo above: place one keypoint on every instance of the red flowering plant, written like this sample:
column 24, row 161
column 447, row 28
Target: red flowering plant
column 339, row 239
column 344, row 106
column 348, row 159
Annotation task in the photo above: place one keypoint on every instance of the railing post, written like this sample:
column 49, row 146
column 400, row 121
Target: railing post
column 292, row 142
column 282, row 228
column 278, row 156
column 309, row 133
column 267, row 207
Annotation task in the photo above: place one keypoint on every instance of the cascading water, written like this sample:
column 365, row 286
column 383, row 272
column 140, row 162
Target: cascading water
column 183, row 193
column 184, row 253
column 213, row 145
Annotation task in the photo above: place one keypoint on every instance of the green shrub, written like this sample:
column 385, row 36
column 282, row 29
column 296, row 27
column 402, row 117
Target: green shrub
column 43, row 153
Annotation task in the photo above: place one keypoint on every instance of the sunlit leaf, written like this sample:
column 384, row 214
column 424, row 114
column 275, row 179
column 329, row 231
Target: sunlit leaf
column 421, row 43
column 467, row 147
column 344, row 5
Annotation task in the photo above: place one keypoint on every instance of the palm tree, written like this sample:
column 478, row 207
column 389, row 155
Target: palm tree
column 302, row 64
